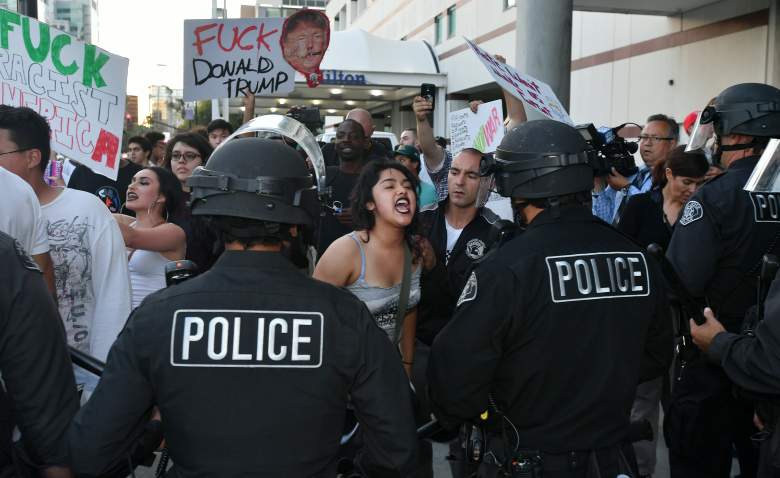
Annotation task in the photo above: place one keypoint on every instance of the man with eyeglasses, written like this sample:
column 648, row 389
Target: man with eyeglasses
column 658, row 137
column 86, row 247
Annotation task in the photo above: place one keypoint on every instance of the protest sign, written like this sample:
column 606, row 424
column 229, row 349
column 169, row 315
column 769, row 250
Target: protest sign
column 482, row 130
column 79, row 89
column 228, row 58
column 534, row 93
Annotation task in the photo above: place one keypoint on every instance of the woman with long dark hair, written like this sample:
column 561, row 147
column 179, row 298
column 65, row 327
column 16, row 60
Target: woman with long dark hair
column 183, row 154
column 370, row 261
column 650, row 217
column 154, row 195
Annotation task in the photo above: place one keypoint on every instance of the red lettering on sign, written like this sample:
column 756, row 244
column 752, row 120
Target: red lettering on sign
column 107, row 145
column 199, row 42
column 261, row 36
column 491, row 127
column 240, row 37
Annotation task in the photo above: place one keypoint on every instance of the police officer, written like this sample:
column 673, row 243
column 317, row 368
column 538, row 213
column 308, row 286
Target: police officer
column 39, row 391
column 251, row 363
column 751, row 359
column 553, row 332
column 716, row 249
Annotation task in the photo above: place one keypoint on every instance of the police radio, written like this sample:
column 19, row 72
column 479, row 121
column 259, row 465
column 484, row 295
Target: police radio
column 179, row 271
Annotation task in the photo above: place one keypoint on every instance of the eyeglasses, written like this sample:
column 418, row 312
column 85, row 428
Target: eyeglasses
column 648, row 138
column 16, row 151
column 188, row 157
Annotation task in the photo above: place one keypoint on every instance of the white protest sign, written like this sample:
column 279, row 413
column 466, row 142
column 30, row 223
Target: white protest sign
column 226, row 58
column 533, row 92
column 482, row 130
column 79, row 89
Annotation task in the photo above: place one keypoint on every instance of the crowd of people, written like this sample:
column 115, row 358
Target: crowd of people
column 535, row 343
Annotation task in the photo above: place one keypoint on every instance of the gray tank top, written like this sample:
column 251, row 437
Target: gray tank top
column 382, row 302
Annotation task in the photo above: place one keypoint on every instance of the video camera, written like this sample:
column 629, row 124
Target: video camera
column 308, row 115
column 607, row 149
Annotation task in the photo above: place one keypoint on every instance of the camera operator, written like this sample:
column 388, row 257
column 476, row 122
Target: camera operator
column 251, row 363
column 541, row 334
column 658, row 137
column 716, row 249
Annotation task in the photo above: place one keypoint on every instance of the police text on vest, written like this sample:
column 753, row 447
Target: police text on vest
column 766, row 207
column 598, row 275
column 246, row 338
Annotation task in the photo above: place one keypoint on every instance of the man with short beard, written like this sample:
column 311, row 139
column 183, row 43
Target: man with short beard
column 351, row 147
column 457, row 234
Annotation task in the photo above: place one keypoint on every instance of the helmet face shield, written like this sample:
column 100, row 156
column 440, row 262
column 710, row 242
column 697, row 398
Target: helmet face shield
column 766, row 174
column 294, row 130
column 703, row 133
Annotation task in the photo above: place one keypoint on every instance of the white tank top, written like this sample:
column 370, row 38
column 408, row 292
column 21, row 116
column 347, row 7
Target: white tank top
column 147, row 274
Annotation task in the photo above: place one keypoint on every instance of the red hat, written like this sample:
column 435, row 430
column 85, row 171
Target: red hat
column 689, row 121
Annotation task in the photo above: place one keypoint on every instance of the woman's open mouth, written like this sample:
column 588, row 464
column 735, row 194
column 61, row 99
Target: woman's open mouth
column 402, row 206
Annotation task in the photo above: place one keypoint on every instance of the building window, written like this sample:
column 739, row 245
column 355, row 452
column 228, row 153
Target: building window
column 437, row 30
column 509, row 3
column 451, row 22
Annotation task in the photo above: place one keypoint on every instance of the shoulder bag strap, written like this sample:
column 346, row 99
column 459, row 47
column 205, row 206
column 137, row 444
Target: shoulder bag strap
column 403, row 298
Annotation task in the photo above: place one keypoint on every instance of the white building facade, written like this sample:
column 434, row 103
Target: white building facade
column 624, row 66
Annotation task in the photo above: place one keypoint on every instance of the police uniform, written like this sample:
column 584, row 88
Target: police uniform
column 751, row 363
column 716, row 249
column 556, row 328
column 39, row 393
column 442, row 285
column 251, row 363
column 720, row 238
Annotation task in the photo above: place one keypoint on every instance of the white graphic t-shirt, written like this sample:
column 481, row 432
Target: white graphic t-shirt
column 90, row 270
column 20, row 213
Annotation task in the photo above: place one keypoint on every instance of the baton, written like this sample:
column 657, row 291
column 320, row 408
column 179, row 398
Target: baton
column 689, row 303
column 769, row 267
column 86, row 361
column 429, row 429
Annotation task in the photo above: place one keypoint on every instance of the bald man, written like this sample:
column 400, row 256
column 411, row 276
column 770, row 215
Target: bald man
column 376, row 151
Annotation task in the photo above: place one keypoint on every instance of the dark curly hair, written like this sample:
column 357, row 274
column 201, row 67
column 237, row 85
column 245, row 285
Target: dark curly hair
column 362, row 194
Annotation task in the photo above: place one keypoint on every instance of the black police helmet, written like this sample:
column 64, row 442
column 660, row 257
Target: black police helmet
column 255, row 178
column 542, row 159
column 751, row 109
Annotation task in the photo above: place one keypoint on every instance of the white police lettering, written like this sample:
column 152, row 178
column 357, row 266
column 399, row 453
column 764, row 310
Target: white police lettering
column 469, row 290
column 766, row 207
column 247, row 338
column 693, row 212
column 600, row 275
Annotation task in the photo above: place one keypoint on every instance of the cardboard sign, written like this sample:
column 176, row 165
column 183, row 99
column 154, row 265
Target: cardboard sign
column 79, row 89
column 534, row 93
column 482, row 131
column 228, row 58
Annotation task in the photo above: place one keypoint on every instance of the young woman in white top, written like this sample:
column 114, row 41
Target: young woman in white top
column 370, row 261
column 155, row 196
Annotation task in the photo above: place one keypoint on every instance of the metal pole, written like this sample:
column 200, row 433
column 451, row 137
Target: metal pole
column 544, row 43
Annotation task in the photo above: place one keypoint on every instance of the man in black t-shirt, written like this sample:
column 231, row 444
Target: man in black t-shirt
column 351, row 147
column 374, row 150
column 111, row 192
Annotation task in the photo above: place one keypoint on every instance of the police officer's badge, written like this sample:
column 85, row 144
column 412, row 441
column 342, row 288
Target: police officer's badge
column 475, row 249
column 469, row 290
column 692, row 213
